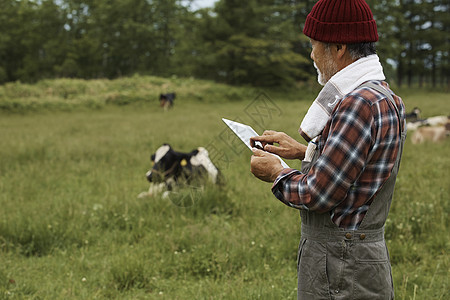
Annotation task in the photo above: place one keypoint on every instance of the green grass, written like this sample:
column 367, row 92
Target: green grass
column 72, row 227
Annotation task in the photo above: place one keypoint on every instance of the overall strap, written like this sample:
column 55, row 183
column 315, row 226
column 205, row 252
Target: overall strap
column 387, row 94
column 379, row 208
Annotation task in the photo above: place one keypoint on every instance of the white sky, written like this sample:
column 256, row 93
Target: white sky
column 196, row 4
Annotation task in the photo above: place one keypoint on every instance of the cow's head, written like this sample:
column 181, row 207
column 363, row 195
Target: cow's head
column 168, row 164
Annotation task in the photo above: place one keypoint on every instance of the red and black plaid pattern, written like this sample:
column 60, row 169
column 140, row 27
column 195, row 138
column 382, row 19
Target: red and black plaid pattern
column 358, row 149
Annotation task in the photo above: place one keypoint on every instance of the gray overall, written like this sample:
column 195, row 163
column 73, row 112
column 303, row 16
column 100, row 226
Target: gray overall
column 334, row 263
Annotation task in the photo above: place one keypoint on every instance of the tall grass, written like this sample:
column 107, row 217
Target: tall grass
column 72, row 227
column 70, row 94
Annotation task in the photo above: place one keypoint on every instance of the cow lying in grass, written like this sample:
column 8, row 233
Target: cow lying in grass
column 172, row 169
column 431, row 121
column 433, row 129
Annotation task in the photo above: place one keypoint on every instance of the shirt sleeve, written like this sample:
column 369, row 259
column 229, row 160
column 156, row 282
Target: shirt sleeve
column 344, row 155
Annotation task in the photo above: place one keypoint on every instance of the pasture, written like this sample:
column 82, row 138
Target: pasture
column 72, row 164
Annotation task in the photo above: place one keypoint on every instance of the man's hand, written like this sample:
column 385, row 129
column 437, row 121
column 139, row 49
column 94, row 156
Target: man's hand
column 287, row 146
column 265, row 166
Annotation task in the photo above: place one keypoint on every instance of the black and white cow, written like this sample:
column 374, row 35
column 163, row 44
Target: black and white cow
column 414, row 115
column 434, row 129
column 431, row 121
column 171, row 169
column 166, row 100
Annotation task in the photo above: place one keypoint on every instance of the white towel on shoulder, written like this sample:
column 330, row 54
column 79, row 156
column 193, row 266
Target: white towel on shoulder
column 342, row 83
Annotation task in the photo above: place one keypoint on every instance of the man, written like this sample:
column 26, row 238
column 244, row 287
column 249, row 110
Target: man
column 355, row 129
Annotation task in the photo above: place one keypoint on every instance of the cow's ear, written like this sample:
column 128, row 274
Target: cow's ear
column 152, row 157
column 194, row 152
column 183, row 162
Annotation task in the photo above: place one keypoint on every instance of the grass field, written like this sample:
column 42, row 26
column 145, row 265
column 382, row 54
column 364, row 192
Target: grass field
column 72, row 227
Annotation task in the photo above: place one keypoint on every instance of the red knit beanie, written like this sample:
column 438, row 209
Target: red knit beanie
column 341, row 21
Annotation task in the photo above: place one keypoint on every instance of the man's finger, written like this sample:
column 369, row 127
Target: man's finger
column 269, row 132
column 271, row 149
column 257, row 152
column 264, row 138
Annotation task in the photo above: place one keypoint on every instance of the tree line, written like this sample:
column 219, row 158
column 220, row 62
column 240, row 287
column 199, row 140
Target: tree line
column 256, row 42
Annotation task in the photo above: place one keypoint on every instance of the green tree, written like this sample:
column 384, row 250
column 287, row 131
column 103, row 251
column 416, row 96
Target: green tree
column 110, row 38
column 253, row 43
column 257, row 42
column 414, row 36
column 8, row 23
column 438, row 38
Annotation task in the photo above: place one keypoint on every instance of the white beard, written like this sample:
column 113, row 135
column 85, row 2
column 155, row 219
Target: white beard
column 320, row 78
column 329, row 69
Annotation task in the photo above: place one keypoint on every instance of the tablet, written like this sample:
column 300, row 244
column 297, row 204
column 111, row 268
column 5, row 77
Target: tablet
column 245, row 132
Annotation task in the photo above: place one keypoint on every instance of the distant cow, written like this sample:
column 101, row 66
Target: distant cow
column 431, row 121
column 438, row 120
column 431, row 134
column 166, row 100
column 414, row 115
column 172, row 169
column 413, row 125
column 436, row 130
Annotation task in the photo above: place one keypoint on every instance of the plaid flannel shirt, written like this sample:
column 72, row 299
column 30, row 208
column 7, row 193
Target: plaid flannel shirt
column 358, row 148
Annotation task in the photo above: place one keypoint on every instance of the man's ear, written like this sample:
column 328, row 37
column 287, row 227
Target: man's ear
column 341, row 49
